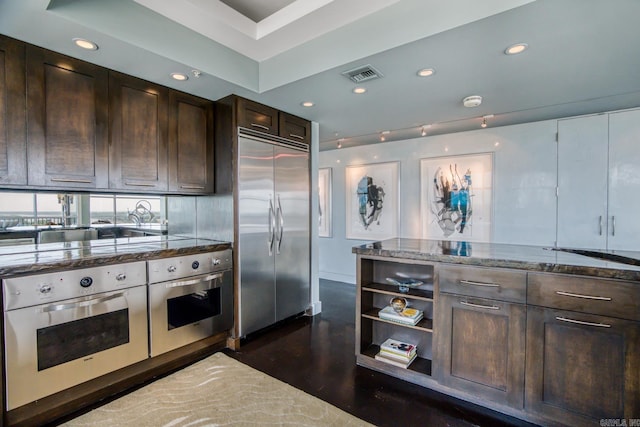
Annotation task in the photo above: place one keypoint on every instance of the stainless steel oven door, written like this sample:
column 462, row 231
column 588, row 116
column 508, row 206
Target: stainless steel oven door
column 55, row 346
column 185, row 311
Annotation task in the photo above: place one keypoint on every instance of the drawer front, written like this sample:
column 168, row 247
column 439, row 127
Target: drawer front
column 252, row 115
column 494, row 283
column 585, row 294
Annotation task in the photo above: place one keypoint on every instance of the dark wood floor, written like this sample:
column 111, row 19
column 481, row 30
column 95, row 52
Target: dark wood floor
column 317, row 355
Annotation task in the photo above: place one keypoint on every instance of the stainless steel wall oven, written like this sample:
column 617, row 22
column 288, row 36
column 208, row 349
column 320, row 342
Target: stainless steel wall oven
column 190, row 298
column 65, row 328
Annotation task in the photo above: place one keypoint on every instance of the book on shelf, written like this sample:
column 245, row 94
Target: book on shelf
column 384, row 357
column 408, row 316
column 398, row 348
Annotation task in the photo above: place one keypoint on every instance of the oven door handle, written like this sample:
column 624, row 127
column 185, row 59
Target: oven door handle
column 60, row 307
column 195, row 281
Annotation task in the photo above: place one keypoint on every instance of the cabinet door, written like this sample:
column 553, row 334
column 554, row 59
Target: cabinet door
column 190, row 144
column 253, row 115
column 138, row 132
column 13, row 122
column 294, row 128
column 624, row 180
column 67, row 121
column 480, row 347
column 582, row 182
column 582, row 368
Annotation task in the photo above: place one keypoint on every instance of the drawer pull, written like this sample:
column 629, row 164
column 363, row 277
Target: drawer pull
column 255, row 125
column 73, row 180
column 192, row 187
column 569, row 294
column 140, row 184
column 486, row 285
column 488, row 307
column 293, row 135
column 580, row 322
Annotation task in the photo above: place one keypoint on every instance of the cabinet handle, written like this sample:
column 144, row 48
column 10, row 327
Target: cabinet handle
column 580, row 322
column 613, row 225
column 600, row 221
column 486, row 285
column 488, row 307
column 296, row 136
column 140, row 184
column 78, row 181
column 192, row 187
column 569, row 294
column 255, row 125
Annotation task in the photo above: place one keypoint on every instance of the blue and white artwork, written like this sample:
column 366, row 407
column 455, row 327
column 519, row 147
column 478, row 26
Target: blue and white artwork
column 372, row 201
column 456, row 197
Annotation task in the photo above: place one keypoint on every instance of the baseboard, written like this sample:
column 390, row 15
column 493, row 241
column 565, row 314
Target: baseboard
column 314, row 308
column 337, row 277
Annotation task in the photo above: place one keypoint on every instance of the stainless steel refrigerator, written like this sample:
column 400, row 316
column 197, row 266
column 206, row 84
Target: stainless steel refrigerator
column 273, row 220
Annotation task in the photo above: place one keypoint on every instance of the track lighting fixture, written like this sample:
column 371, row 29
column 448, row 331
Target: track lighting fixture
column 484, row 120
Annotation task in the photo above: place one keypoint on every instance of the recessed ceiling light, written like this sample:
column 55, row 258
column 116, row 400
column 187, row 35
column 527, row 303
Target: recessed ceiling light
column 516, row 48
column 426, row 72
column 179, row 76
column 85, row 44
column 307, row 104
column 359, row 90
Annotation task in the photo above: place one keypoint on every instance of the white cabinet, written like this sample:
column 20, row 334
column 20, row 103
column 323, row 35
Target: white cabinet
column 598, row 178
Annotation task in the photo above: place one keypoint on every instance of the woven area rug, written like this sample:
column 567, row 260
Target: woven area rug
column 217, row 391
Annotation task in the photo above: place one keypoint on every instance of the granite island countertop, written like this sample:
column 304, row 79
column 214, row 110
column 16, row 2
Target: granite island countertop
column 532, row 258
column 41, row 258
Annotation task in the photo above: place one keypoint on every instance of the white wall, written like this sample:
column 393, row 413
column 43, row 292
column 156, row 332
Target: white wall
column 524, row 186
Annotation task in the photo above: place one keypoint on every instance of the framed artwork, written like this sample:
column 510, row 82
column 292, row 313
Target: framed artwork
column 372, row 206
column 324, row 202
column 455, row 197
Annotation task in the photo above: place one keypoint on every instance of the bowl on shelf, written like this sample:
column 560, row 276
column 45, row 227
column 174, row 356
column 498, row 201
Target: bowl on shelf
column 404, row 283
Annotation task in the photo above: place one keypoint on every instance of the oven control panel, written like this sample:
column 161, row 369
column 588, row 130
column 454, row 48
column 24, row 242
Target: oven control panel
column 35, row 289
column 164, row 269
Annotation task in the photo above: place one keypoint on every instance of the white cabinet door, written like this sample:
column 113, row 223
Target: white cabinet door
column 582, row 182
column 624, row 181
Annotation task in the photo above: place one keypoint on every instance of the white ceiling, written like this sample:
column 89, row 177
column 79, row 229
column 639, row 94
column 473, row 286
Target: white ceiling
column 582, row 56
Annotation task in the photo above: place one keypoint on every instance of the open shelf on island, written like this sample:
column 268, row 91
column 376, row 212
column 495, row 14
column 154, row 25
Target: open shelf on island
column 417, row 293
column 419, row 365
column 425, row 325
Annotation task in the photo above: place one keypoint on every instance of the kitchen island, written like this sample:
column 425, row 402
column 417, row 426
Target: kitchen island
column 76, row 318
column 548, row 335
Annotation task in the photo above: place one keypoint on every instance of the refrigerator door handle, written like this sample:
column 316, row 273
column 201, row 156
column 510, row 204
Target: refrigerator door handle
column 281, row 223
column 272, row 227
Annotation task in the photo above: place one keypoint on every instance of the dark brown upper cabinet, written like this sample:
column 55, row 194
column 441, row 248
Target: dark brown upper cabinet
column 190, row 144
column 13, row 121
column 294, row 128
column 67, row 109
column 252, row 115
column 138, row 129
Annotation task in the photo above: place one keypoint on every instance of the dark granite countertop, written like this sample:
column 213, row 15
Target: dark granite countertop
column 31, row 259
column 611, row 264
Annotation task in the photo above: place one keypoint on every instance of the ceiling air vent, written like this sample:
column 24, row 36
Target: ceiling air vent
column 362, row 74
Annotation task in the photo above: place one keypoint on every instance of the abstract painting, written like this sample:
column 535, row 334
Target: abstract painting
column 455, row 197
column 372, row 201
column 324, row 202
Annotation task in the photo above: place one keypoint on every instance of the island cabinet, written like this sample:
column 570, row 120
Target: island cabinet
column 583, row 347
column 190, row 144
column 481, row 320
column 374, row 293
column 13, row 121
column 138, row 115
column 67, row 107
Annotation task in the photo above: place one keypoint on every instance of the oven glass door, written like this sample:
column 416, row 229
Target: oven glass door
column 186, row 311
column 52, row 347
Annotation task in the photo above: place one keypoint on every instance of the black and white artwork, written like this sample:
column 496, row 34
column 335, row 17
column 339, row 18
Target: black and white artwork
column 372, row 201
column 324, row 202
column 456, row 197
